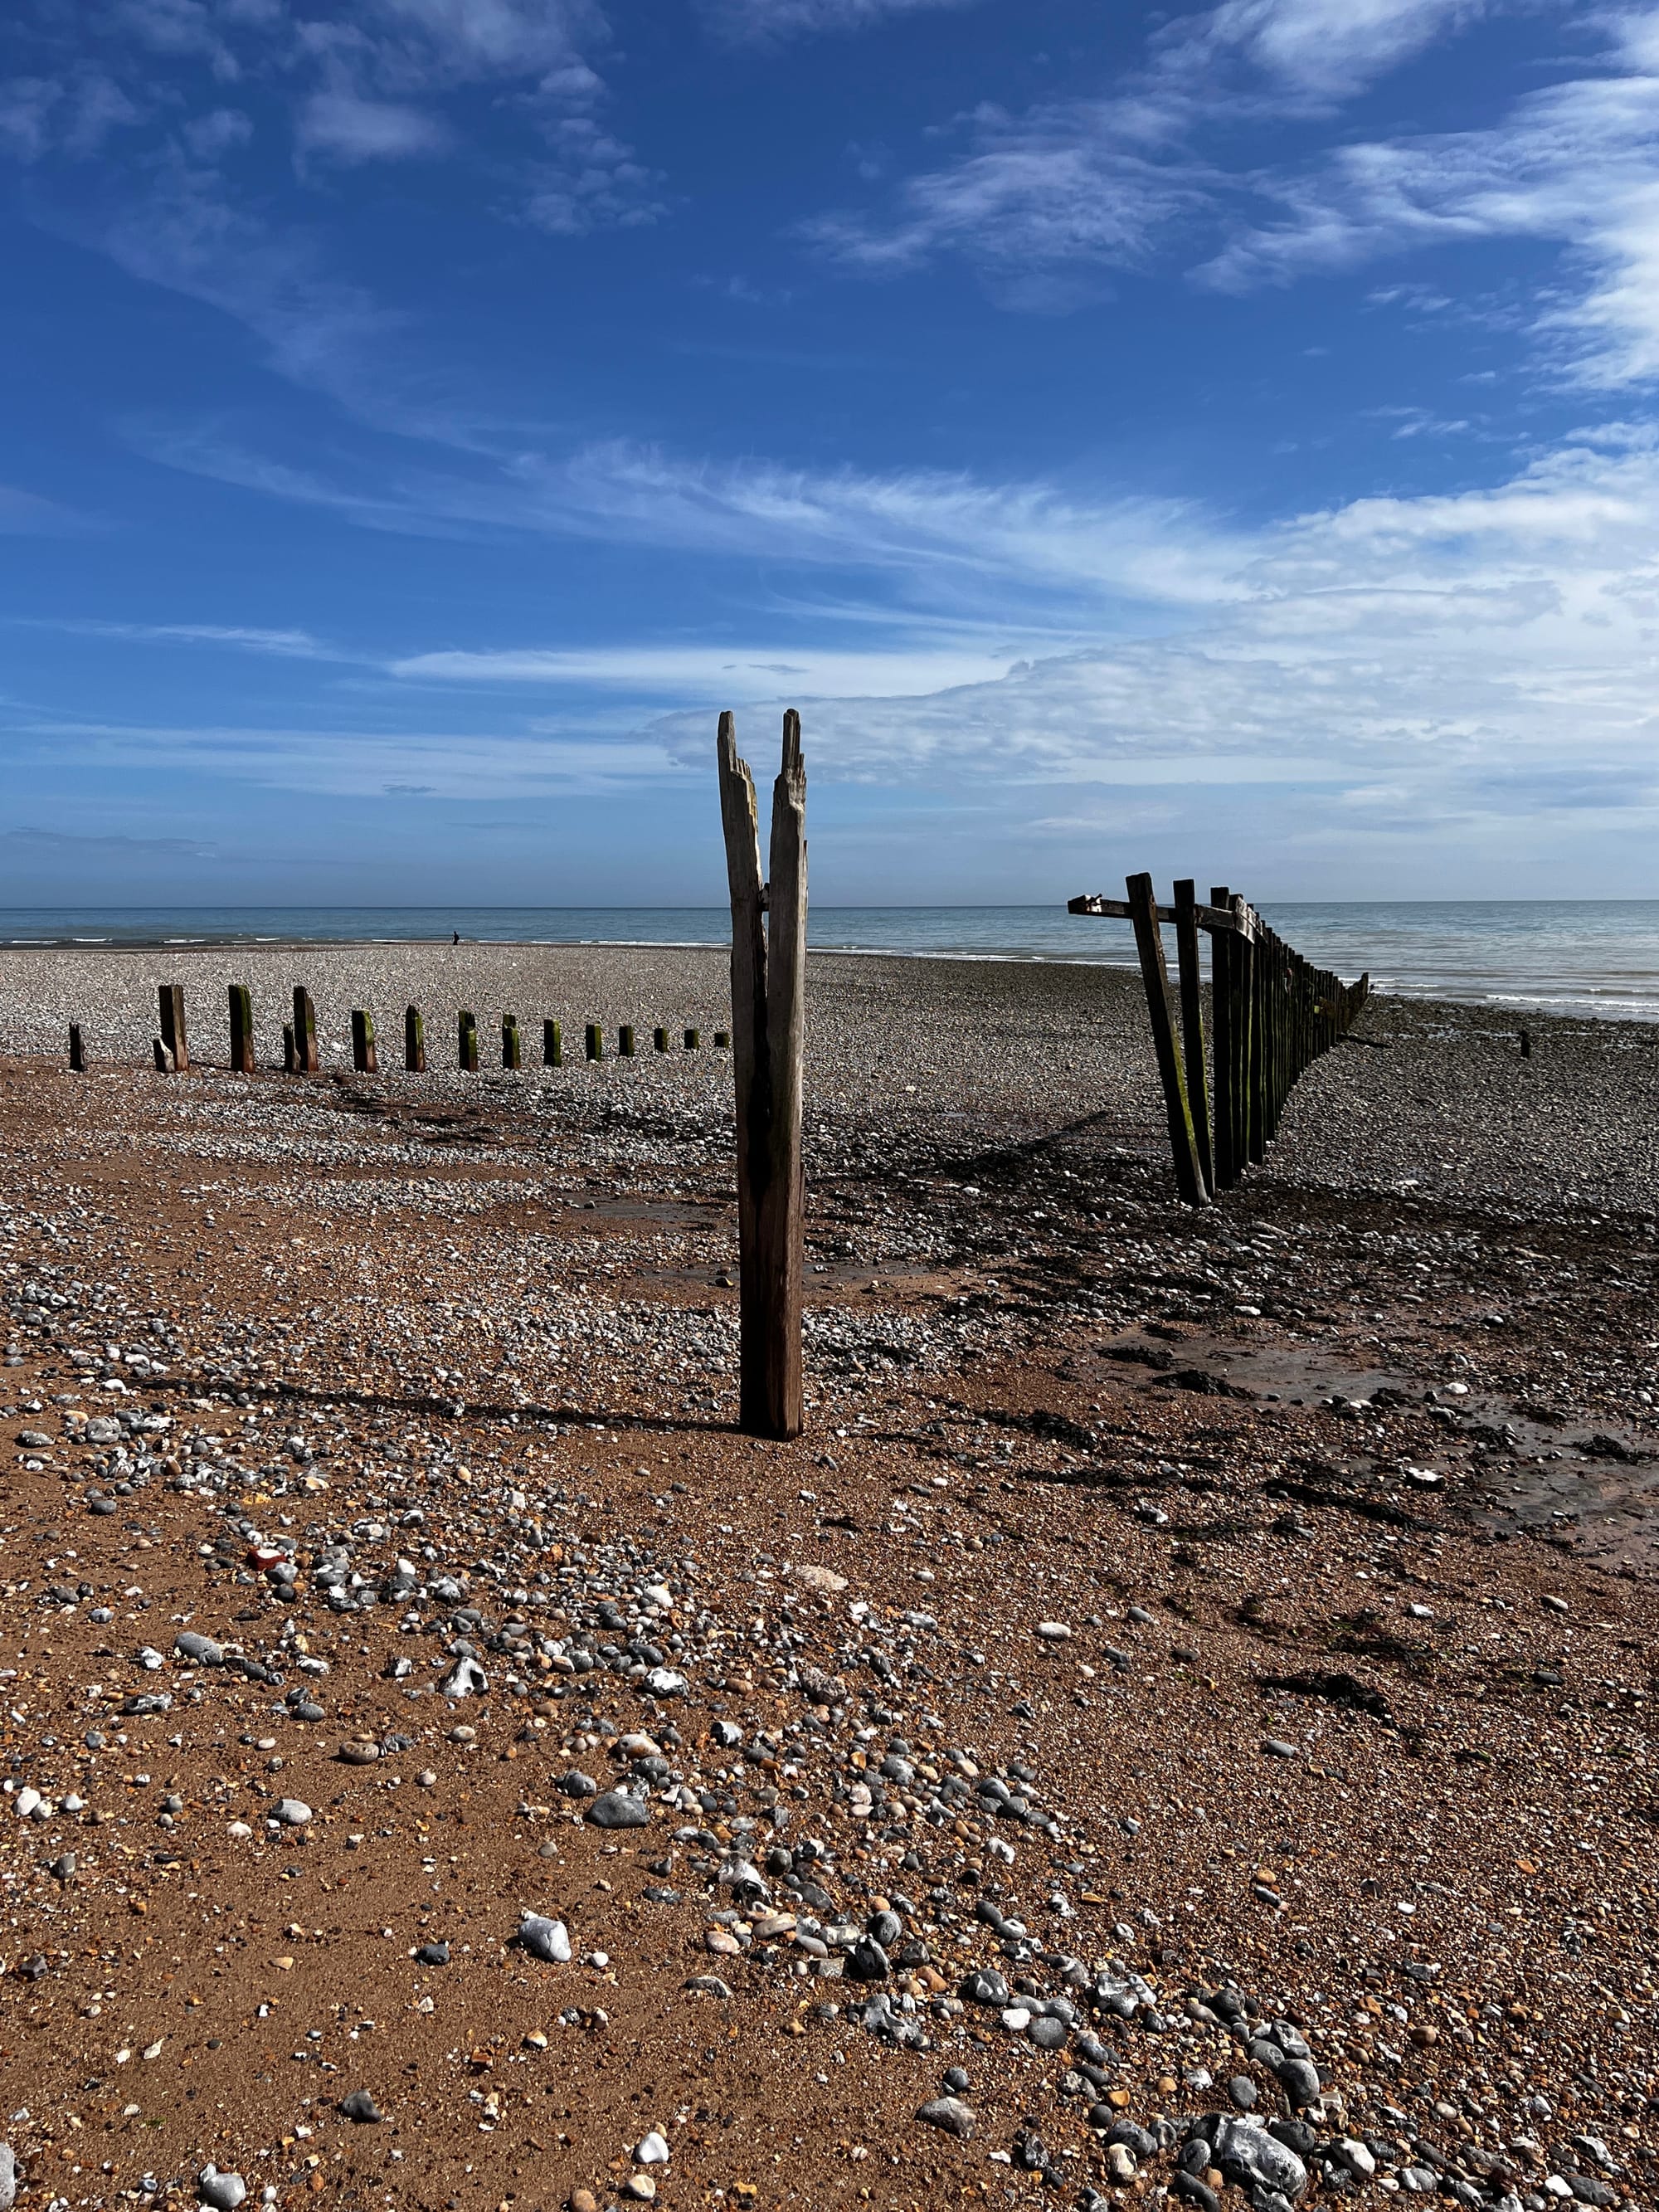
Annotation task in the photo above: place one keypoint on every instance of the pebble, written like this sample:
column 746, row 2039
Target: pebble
column 362, row 2107
column 617, row 1808
column 1053, row 1631
column 950, row 2114
column 544, row 1939
column 293, row 1812
column 224, row 2191
column 8, row 2177
column 200, row 1649
column 1276, row 1747
column 432, row 1954
column 652, row 2149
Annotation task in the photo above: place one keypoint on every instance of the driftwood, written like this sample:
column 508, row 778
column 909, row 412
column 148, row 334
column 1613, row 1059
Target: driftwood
column 769, row 982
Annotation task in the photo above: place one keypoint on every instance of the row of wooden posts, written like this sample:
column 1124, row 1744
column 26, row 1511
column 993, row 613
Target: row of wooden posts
column 1272, row 1015
column 300, row 1050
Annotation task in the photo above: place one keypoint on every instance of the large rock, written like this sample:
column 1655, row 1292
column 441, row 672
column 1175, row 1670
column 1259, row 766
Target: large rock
column 544, row 1939
column 1249, row 2155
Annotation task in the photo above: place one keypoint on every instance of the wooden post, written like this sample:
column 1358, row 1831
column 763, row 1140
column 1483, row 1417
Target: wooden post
column 510, row 1057
column 1221, row 1046
column 466, row 1043
column 722, row 1040
column 304, row 1031
column 660, row 1040
column 1526, row 1044
column 552, row 1045
column 414, row 1041
column 78, row 1051
column 1192, row 1025
column 769, row 977
column 625, row 1041
column 593, row 1042
column 364, row 1058
column 172, row 998
column 693, row 1039
column 290, row 1051
column 1166, row 1045
column 241, row 1030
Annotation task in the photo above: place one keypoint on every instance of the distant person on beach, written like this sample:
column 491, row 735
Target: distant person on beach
column 455, row 938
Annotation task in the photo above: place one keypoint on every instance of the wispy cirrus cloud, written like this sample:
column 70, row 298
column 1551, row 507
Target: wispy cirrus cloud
column 282, row 644
column 774, row 21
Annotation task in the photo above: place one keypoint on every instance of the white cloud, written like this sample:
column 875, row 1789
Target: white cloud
column 721, row 673
column 352, row 763
column 348, row 128
column 784, row 19
column 282, row 644
column 1328, row 48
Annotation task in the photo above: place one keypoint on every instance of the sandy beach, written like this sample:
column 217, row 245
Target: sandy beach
column 1176, row 1725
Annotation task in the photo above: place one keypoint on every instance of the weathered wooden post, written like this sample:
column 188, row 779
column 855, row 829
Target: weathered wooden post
column 305, row 1032
column 1166, row 1045
column 625, row 1041
column 364, row 1058
column 694, row 1040
column 1192, row 1025
column 1526, row 1044
column 241, row 1030
column 769, row 995
column 552, row 1045
column 78, row 1051
column 163, row 1052
column 466, row 1042
column 510, row 1056
column 593, row 1041
column 659, row 1039
column 171, row 999
column 722, row 1040
column 290, row 1051
column 414, row 1041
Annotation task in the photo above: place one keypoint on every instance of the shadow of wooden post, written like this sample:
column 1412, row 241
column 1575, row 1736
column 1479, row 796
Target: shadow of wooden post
column 769, row 1005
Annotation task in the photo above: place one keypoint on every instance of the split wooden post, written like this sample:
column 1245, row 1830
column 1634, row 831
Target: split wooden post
column 552, row 1045
column 290, row 1051
column 769, row 1007
column 1192, row 1025
column 593, row 1041
column 364, row 1058
column 414, row 1041
column 77, row 1050
column 163, row 1052
column 241, row 1030
column 693, row 1039
column 510, row 1055
column 1166, row 1045
column 466, row 1043
column 171, row 999
column 305, row 1032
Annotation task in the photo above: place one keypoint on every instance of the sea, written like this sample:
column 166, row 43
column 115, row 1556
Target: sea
column 1579, row 957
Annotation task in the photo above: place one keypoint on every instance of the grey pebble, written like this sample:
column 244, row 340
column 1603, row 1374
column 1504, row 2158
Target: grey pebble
column 1243, row 2091
column 544, row 1939
column 362, row 2107
column 225, row 2191
column 617, row 1809
column 950, row 2114
column 1276, row 1747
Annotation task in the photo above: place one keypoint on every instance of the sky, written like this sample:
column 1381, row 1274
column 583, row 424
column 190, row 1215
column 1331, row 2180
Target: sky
column 1218, row 441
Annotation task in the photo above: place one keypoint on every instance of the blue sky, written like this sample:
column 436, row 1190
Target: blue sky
column 1214, row 439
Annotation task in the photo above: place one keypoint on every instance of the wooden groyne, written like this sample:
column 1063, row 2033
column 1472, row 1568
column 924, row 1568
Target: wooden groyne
column 1272, row 1015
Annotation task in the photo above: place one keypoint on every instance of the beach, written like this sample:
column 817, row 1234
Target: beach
column 1195, row 1663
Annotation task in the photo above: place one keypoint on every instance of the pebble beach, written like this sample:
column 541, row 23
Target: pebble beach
column 1175, row 1728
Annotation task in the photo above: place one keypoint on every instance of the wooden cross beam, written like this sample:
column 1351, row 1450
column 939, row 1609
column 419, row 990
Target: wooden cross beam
column 1244, row 922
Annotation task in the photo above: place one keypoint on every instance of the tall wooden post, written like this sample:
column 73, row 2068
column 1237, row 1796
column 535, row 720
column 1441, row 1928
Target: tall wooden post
column 1221, row 1047
column 1192, row 1025
column 510, row 1052
column 415, row 1041
column 552, row 1045
column 171, row 1000
column 78, row 1051
column 466, row 1043
column 241, row 1030
column 364, row 1058
column 304, row 1031
column 1166, row 1045
column 769, row 1009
